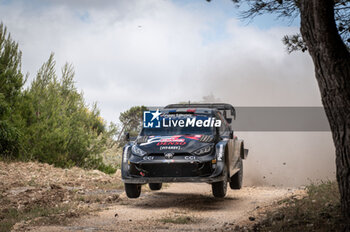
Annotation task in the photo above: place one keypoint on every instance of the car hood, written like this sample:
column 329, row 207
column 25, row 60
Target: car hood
column 175, row 143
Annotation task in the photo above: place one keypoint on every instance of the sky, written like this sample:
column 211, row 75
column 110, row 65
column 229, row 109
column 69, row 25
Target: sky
column 158, row 52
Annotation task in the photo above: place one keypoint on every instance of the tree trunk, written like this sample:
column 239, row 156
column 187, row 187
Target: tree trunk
column 332, row 67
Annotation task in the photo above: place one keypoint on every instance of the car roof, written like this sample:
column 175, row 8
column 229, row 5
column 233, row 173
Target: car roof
column 190, row 110
column 222, row 107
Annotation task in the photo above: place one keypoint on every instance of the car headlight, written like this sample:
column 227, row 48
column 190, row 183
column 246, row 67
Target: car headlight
column 203, row 150
column 137, row 151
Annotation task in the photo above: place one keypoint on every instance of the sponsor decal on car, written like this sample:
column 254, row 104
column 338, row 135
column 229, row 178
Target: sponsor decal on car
column 169, row 148
column 148, row 158
column 190, row 157
column 175, row 140
column 171, row 143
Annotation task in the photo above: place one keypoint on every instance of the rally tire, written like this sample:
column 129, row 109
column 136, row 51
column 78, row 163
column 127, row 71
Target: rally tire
column 219, row 189
column 237, row 179
column 155, row 186
column 132, row 190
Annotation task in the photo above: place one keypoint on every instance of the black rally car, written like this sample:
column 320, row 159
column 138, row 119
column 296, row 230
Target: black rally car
column 176, row 152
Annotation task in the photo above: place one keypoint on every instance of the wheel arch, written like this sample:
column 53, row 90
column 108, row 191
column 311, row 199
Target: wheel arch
column 239, row 148
column 225, row 155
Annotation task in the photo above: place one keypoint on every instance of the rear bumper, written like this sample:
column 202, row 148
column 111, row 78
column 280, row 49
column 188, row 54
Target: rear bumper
column 141, row 170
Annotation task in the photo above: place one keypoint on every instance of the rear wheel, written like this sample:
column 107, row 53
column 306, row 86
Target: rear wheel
column 220, row 188
column 132, row 190
column 155, row 186
column 237, row 178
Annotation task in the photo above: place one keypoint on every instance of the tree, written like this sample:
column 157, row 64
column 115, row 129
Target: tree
column 325, row 32
column 331, row 58
column 49, row 121
column 11, row 82
column 60, row 128
column 131, row 120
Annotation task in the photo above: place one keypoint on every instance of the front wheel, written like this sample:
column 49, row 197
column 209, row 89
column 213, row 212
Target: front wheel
column 237, row 179
column 132, row 190
column 155, row 186
column 220, row 188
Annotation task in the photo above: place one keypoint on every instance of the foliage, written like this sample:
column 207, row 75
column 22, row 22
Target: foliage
column 60, row 128
column 131, row 120
column 290, row 9
column 11, row 82
column 319, row 210
column 294, row 43
column 50, row 121
column 11, row 78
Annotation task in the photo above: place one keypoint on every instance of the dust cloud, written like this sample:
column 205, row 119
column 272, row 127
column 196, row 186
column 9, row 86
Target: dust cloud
column 264, row 75
column 288, row 159
column 284, row 158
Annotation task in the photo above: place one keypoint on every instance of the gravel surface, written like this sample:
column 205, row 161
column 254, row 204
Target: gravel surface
column 180, row 207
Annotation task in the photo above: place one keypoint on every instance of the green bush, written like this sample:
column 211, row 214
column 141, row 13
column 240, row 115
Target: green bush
column 9, row 141
column 61, row 129
column 49, row 121
column 11, row 82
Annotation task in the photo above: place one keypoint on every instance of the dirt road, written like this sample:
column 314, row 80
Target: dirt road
column 179, row 207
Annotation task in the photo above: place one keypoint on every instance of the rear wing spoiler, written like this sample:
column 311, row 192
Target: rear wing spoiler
column 219, row 106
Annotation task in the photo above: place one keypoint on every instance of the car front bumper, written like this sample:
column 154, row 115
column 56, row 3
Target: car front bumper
column 181, row 168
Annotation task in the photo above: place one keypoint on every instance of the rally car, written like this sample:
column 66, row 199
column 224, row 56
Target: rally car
column 185, row 143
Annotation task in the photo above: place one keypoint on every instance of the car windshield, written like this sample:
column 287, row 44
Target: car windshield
column 182, row 125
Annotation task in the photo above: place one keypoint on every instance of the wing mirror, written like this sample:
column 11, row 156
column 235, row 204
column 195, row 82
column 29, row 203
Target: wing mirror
column 231, row 134
column 127, row 136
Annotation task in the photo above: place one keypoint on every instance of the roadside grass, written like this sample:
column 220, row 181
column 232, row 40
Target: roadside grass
column 318, row 211
column 112, row 157
column 178, row 220
column 9, row 217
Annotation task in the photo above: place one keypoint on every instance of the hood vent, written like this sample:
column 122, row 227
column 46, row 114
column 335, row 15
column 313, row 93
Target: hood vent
column 206, row 139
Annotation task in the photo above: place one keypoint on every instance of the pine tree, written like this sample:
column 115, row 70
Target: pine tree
column 11, row 82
